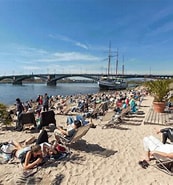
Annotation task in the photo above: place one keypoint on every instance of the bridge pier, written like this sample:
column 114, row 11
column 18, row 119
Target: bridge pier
column 51, row 83
column 17, row 83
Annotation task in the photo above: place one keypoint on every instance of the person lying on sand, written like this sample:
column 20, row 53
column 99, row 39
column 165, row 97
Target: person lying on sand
column 32, row 158
column 13, row 149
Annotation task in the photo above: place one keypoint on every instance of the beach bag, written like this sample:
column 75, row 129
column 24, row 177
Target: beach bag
column 7, row 150
column 60, row 148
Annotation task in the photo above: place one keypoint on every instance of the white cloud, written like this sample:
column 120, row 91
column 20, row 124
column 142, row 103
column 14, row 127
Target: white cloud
column 66, row 39
column 81, row 45
column 70, row 56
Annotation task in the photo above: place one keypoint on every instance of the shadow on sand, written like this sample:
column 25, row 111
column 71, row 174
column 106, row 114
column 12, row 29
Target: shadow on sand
column 92, row 148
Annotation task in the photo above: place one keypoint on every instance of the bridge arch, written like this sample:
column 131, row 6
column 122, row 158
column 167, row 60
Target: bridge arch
column 53, row 79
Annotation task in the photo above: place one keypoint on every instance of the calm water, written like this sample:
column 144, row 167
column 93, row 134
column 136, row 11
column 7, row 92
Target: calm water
column 9, row 92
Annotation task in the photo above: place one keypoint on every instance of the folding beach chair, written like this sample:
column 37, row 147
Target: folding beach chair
column 81, row 131
column 46, row 118
column 164, row 164
column 108, row 116
column 97, row 110
column 27, row 119
column 117, row 119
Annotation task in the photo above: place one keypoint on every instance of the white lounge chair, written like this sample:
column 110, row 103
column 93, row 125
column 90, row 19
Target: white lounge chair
column 164, row 164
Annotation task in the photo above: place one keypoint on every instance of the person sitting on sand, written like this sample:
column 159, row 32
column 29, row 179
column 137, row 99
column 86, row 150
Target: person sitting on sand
column 67, row 133
column 152, row 146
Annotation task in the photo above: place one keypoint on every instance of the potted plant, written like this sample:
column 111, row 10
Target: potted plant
column 159, row 90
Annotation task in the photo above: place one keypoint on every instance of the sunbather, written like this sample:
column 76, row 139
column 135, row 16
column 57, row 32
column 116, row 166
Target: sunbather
column 47, row 148
column 154, row 146
column 51, row 149
column 79, row 117
column 13, row 148
column 33, row 157
column 69, row 132
column 167, row 133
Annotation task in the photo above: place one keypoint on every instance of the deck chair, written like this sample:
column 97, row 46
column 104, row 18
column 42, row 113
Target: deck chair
column 97, row 110
column 164, row 164
column 27, row 119
column 46, row 118
column 108, row 116
column 117, row 119
column 77, row 136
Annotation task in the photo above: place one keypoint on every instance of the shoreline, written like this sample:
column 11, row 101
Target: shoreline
column 34, row 89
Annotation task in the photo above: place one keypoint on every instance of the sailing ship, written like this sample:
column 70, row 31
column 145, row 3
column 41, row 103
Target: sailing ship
column 112, row 83
column 108, row 83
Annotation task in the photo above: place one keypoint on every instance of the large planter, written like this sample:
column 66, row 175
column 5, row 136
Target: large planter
column 159, row 107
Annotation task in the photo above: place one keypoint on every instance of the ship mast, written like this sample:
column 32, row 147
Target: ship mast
column 109, row 58
column 123, row 66
column 116, row 63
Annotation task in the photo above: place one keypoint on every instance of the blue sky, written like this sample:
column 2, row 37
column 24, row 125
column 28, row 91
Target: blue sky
column 72, row 36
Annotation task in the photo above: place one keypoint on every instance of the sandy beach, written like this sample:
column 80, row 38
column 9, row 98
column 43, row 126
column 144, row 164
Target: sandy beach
column 103, row 156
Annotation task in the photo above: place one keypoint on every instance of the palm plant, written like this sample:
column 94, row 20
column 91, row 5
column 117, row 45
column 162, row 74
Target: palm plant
column 158, row 89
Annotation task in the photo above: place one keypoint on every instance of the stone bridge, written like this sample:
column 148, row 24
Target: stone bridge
column 51, row 79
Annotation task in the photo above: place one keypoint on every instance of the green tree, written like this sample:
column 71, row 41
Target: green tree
column 4, row 115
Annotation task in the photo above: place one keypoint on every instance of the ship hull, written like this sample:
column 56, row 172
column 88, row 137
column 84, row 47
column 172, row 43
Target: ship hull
column 112, row 86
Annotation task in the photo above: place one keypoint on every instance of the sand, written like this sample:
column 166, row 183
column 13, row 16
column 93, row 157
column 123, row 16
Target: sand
column 102, row 157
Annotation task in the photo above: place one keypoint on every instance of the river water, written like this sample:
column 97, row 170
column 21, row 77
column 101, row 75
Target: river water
column 9, row 92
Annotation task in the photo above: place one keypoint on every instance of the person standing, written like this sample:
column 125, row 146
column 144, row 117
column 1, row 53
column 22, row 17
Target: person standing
column 132, row 104
column 45, row 102
column 19, row 110
column 39, row 105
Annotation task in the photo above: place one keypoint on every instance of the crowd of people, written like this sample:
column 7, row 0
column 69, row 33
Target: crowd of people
column 81, row 107
column 85, row 106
